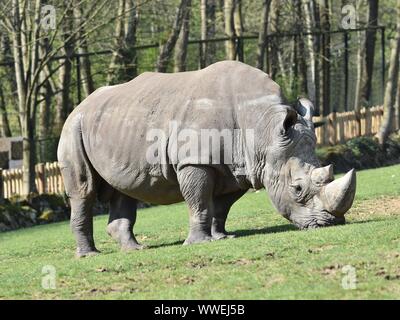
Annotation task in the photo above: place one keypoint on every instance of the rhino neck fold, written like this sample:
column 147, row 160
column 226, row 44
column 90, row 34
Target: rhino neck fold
column 272, row 180
column 246, row 165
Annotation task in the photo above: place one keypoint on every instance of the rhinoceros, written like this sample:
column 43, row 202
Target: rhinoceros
column 118, row 145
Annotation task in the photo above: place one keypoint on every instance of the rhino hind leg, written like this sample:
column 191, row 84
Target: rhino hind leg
column 82, row 226
column 196, row 183
column 80, row 181
column 222, row 205
column 121, row 221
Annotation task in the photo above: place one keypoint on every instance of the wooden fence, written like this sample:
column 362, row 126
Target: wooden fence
column 48, row 180
column 338, row 128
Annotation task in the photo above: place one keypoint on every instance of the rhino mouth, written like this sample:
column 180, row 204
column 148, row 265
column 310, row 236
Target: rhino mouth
column 319, row 223
column 325, row 220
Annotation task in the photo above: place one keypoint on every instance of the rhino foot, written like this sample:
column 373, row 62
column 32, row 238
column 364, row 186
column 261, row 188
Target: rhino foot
column 197, row 239
column 121, row 231
column 82, row 253
column 133, row 247
column 220, row 236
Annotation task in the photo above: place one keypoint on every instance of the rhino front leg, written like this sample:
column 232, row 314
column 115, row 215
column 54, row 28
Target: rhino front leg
column 121, row 221
column 222, row 205
column 82, row 225
column 197, row 185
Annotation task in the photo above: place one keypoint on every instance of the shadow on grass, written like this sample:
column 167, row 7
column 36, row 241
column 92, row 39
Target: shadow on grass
column 274, row 229
column 238, row 234
column 251, row 232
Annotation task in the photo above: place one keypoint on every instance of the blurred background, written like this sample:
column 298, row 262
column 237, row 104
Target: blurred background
column 53, row 54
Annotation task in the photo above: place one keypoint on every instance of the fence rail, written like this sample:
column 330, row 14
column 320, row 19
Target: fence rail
column 48, row 180
column 338, row 128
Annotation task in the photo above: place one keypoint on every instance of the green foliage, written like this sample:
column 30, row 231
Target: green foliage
column 361, row 153
column 268, row 259
column 363, row 145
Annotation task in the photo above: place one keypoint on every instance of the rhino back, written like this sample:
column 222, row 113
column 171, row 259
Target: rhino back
column 116, row 120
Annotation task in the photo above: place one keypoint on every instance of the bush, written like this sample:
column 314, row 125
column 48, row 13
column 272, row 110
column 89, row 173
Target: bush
column 361, row 153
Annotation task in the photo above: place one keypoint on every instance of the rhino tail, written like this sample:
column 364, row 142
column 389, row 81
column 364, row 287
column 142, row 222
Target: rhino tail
column 80, row 178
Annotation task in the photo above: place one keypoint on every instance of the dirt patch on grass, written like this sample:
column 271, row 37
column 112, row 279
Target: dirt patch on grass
column 382, row 206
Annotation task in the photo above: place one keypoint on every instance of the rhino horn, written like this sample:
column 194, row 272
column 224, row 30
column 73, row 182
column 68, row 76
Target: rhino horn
column 338, row 195
column 321, row 176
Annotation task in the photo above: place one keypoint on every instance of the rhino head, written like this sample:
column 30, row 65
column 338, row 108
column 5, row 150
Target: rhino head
column 302, row 191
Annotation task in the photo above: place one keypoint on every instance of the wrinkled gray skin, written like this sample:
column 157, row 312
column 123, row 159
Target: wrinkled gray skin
column 102, row 152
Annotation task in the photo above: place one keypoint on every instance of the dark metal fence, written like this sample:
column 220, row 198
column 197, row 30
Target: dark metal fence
column 342, row 79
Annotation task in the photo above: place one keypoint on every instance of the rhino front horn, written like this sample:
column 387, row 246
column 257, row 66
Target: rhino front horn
column 339, row 194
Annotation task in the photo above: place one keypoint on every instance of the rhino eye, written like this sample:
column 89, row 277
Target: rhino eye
column 298, row 189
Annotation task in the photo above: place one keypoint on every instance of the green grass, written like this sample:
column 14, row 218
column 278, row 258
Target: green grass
column 269, row 259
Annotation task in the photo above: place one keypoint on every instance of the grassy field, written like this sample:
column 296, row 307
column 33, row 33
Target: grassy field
column 269, row 258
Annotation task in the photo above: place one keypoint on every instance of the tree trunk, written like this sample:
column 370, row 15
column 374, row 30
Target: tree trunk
column 63, row 105
column 239, row 29
column 129, row 54
column 25, row 54
column 310, row 50
column 398, row 105
column 5, row 130
column 369, row 52
column 207, row 31
column 87, row 79
column 123, row 64
column 113, row 69
column 274, row 64
column 358, row 102
column 166, row 49
column 262, row 36
column 230, row 45
column 391, row 85
column 203, row 33
column 316, row 21
column 182, row 43
column 326, row 56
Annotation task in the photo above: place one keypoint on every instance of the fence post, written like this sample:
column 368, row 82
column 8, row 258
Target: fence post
column 1, row 186
column 41, row 179
column 332, row 139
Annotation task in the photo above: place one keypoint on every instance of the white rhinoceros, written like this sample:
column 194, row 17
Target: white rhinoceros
column 144, row 140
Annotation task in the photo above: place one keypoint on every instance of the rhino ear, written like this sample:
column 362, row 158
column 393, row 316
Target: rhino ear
column 306, row 109
column 290, row 119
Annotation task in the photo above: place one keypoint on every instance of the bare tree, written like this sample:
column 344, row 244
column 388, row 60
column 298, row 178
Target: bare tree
column 22, row 21
column 168, row 46
column 207, row 31
column 310, row 50
column 64, row 104
column 182, row 43
column 360, row 71
column 5, row 130
column 82, row 48
column 230, row 45
column 123, row 64
column 325, row 12
column 239, row 29
column 275, row 65
column 369, row 51
column 26, row 61
column 391, row 85
column 262, row 37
